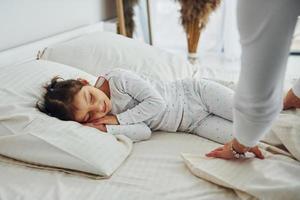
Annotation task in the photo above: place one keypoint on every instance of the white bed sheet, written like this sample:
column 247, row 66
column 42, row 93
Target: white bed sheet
column 155, row 170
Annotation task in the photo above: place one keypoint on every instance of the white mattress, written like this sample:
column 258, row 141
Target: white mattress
column 155, row 170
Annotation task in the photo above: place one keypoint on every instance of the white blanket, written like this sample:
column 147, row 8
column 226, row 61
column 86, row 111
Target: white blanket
column 286, row 132
column 275, row 177
column 154, row 171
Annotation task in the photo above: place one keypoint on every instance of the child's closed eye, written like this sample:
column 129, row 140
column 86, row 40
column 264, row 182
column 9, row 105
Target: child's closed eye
column 87, row 118
column 91, row 99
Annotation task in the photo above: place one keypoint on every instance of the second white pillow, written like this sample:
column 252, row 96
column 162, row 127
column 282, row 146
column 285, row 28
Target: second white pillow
column 96, row 52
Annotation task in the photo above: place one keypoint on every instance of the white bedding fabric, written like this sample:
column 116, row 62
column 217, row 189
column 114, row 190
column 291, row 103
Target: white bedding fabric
column 154, row 171
column 96, row 52
column 29, row 52
column 275, row 177
column 69, row 145
column 286, row 132
column 29, row 135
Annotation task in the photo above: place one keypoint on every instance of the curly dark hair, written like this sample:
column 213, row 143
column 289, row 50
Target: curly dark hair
column 58, row 98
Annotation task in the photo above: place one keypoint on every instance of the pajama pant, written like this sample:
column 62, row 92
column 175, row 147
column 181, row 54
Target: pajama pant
column 207, row 110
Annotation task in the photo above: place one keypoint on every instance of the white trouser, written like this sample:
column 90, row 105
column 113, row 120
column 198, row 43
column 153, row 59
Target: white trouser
column 266, row 29
column 208, row 110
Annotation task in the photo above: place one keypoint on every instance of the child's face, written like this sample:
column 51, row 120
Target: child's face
column 90, row 104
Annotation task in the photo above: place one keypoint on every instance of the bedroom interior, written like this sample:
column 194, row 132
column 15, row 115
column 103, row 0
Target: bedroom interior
column 42, row 157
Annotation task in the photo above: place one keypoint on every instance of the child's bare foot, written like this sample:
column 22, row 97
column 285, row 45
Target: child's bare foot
column 291, row 101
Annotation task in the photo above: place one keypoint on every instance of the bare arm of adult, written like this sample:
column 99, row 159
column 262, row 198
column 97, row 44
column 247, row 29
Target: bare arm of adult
column 266, row 29
column 291, row 101
column 292, row 98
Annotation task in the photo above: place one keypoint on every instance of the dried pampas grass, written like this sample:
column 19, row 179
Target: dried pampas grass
column 194, row 17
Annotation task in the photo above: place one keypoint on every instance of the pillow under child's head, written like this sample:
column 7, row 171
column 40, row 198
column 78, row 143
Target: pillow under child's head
column 28, row 135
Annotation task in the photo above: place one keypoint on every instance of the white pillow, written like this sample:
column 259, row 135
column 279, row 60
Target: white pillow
column 96, row 52
column 31, row 136
column 275, row 177
column 286, row 132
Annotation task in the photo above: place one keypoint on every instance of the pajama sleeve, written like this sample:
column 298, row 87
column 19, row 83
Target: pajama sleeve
column 136, row 132
column 296, row 88
column 151, row 103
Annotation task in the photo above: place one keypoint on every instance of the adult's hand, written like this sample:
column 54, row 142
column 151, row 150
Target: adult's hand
column 227, row 151
column 291, row 101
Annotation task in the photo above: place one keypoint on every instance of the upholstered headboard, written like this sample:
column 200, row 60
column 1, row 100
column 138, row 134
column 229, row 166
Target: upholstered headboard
column 25, row 23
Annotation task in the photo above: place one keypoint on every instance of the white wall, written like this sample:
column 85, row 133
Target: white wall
column 25, row 21
column 220, row 37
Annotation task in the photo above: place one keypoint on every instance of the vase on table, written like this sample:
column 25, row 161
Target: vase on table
column 194, row 17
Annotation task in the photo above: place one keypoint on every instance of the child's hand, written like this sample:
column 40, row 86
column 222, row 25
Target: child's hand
column 100, row 127
column 107, row 119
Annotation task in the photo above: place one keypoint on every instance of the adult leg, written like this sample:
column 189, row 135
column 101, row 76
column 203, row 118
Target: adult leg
column 266, row 29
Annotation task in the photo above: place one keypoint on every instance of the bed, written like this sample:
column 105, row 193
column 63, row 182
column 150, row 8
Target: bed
column 155, row 168
column 153, row 171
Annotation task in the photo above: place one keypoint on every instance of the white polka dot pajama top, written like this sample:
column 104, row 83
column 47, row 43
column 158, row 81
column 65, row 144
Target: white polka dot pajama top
column 142, row 105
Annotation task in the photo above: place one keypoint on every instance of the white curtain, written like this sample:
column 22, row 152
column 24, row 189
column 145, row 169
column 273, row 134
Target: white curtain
column 231, row 44
column 141, row 31
column 220, row 36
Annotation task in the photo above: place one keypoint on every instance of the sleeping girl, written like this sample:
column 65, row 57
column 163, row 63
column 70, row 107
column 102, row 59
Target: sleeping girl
column 122, row 102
